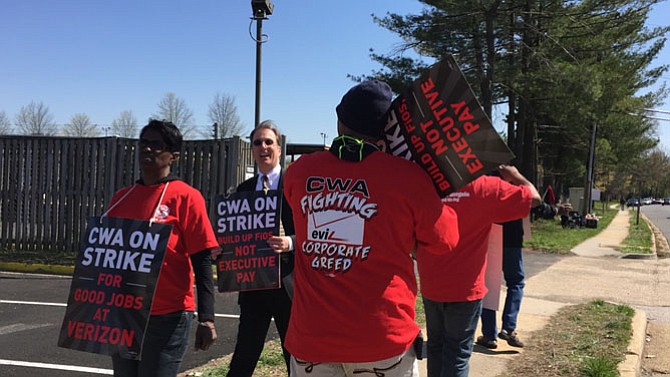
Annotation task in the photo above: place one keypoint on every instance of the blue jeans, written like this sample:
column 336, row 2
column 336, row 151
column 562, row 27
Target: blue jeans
column 515, row 282
column 164, row 347
column 451, row 332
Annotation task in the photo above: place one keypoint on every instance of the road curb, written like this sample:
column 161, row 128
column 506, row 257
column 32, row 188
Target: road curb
column 36, row 268
column 639, row 256
column 630, row 366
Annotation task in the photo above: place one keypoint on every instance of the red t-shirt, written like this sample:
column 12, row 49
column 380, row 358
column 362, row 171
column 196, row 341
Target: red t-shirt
column 459, row 276
column 356, row 224
column 184, row 208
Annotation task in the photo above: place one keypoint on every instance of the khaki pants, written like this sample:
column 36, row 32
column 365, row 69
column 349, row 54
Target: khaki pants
column 404, row 365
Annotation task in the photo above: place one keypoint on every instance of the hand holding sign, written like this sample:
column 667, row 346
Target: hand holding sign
column 279, row 244
column 511, row 174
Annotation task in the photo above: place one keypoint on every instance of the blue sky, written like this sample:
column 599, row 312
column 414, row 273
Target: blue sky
column 104, row 57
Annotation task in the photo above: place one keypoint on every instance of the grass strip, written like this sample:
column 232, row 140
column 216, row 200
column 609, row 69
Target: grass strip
column 586, row 340
column 37, row 268
column 639, row 239
column 549, row 236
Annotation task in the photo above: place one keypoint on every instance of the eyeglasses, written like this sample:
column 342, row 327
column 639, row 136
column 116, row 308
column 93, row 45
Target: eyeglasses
column 156, row 145
column 259, row 142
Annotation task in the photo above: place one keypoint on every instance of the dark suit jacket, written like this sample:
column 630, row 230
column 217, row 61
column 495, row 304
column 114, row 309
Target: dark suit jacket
column 286, row 259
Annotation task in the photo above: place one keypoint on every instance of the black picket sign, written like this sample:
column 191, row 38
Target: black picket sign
column 113, row 286
column 438, row 123
column 244, row 222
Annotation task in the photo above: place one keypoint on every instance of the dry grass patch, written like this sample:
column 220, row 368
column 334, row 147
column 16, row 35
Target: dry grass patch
column 587, row 340
column 270, row 364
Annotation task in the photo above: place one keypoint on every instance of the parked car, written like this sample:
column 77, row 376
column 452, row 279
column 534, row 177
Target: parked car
column 633, row 202
column 666, row 201
column 646, row 201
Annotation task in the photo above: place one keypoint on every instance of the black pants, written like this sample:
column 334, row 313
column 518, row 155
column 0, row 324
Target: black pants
column 257, row 308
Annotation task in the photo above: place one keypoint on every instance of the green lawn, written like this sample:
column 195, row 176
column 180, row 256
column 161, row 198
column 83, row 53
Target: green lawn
column 551, row 237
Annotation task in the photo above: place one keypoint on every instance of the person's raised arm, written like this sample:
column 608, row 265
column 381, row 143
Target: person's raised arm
column 511, row 174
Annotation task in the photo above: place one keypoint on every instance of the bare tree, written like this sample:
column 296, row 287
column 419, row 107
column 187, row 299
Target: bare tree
column 223, row 113
column 34, row 119
column 125, row 125
column 80, row 126
column 173, row 109
column 5, row 124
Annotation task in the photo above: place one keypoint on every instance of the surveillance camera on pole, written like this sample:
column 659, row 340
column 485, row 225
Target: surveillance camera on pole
column 262, row 8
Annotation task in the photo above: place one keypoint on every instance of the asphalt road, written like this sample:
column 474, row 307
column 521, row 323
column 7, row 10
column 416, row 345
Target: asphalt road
column 31, row 313
column 659, row 215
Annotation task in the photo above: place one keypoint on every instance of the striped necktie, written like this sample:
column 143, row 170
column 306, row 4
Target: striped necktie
column 266, row 183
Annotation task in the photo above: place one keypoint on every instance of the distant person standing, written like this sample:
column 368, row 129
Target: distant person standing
column 514, row 275
column 258, row 308
column 622, row 203
column 453, row 285
column 359, row 212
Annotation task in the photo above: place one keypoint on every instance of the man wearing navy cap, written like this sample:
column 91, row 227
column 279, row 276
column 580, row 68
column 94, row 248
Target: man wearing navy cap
column 356, row 223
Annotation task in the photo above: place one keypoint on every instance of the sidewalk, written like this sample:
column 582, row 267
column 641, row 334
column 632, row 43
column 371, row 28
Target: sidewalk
column 594, row 271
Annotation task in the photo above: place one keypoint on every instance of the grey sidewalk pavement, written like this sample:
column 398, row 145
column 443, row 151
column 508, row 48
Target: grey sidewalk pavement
column 595, row 270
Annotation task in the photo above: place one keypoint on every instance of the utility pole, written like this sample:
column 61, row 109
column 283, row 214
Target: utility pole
column 588, row 186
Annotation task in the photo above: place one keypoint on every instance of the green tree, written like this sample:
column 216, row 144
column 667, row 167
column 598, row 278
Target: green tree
column 560, row 67
column 604, row 60
column 651, row 176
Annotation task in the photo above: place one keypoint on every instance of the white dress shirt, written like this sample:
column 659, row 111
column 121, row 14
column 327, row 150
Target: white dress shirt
column 273, row 179
column 273, row 184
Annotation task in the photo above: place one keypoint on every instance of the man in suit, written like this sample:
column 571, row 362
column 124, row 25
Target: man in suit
column 257, row 308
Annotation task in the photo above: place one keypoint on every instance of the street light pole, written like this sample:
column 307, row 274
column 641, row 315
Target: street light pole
column 259, row 31
column 261, row 9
